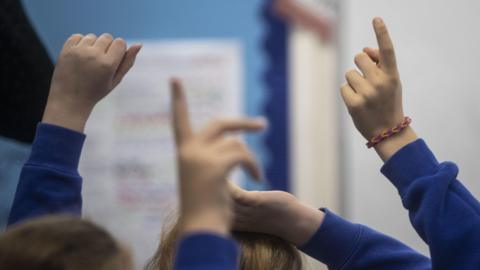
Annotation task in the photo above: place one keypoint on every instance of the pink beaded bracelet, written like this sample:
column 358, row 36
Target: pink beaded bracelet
column 389, row 133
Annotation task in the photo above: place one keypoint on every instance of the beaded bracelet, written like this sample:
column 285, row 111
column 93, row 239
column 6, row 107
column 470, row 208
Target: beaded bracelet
column 389, row 133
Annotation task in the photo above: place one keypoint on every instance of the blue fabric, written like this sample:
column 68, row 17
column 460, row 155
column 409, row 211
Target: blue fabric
column 441, row 209
column 12, row 157
column 341, row 244
column 49, row 182
column 205, row 251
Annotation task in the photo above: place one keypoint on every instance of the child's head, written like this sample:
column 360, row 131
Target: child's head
column 61, row 243
column 258, row 251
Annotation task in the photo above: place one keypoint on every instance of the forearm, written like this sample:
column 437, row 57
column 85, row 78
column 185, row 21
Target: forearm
column 211, row 222
column 66, row 114
column 49, row 182
column 442, row 211
column 305, row 222
column 343, row 245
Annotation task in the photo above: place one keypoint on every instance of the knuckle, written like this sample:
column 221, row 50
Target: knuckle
column 379, row 82
column 75, row 36
column 358, row 57
column 393, row 81
column 106, row 63
column 345, row 87
column 121, row 43
column 74, row 54
column 107, row 35
column 356, row 106
column 370, row 96
column 91, row 35
column 350, row 73
column 388, row 50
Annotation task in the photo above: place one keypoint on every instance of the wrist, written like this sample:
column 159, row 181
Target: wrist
column 387, row 148
column 307, row 222
column 63, row 114
column 211, row 222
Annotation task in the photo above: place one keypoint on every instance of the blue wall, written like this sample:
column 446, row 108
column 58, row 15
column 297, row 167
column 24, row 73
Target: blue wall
column 55, row 20
column 12, row 157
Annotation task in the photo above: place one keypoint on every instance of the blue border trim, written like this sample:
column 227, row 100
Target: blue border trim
column 276, row 108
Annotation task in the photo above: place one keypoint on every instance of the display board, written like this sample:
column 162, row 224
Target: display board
column 129, row 177
column 130, row 150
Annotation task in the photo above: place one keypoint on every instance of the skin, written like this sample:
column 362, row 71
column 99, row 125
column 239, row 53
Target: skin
column 205, row 159
column 275, row 212
column 374, row 96
column 88, row 69
column 374, row 101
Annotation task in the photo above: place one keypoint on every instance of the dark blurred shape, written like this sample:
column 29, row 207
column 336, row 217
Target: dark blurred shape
column 25, row 73
column 276, row 109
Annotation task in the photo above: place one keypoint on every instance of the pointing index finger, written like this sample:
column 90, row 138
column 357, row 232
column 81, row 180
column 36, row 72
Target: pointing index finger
column 180, row 117
column 385, row 44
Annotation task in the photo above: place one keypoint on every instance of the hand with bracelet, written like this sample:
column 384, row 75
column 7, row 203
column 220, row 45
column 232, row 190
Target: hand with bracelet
column 442, row 211
column 374, row 96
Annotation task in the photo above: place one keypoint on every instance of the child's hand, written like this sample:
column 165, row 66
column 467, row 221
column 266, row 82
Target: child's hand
column 276, row 213
column 87, row 70
column 374, row 98
column 204, row 161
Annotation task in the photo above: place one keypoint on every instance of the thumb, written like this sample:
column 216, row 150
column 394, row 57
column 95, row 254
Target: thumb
column 126, row 64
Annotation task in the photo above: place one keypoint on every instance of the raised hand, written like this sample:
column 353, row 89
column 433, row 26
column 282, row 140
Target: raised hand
column 204, row 161
column 87, row 70
column 276, row 213
column 374, row 96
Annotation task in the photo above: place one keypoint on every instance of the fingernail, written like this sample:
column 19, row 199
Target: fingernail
column 377, row 20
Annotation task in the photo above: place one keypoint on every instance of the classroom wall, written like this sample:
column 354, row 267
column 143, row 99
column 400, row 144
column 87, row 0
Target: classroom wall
column 437, row 49
column 56, row 20
column 173, row 20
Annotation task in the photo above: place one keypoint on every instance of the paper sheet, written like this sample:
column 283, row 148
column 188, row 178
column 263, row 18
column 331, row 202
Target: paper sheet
column 128, row 163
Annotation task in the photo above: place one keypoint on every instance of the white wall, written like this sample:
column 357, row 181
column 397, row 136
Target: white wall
column 438, row 50
column 314, row 126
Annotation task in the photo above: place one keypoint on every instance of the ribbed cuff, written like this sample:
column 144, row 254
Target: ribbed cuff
column 409, row 163
column 206, row 250
column 334, row 241
column 57, row 147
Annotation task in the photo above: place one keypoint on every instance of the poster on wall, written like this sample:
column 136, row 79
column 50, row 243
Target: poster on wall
column 128, row 163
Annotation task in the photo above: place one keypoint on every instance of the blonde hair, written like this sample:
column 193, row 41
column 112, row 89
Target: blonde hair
column 60, row 243
column 258, row 251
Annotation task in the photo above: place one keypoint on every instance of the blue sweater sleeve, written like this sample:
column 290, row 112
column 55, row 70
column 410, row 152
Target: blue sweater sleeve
column 49, row 181
column 50, row 184
column 341, row 244
column 442, row 211
column 204, row 251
